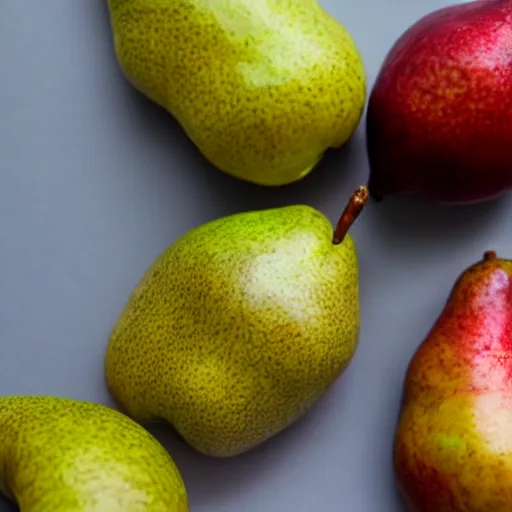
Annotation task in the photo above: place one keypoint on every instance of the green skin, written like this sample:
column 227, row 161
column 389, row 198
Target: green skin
column 238, row 328
column 262, row 87
column 62, row 455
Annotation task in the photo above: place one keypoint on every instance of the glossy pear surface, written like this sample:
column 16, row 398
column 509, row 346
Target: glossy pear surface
column 440, row 111
column 262, row 87
column 238, row 328
column 453, row 444
column 63, row 455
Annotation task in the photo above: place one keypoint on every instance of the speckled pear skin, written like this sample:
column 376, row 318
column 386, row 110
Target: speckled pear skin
column 453, row 443
column 64, row 455
column 238, row 328
column 262, row 87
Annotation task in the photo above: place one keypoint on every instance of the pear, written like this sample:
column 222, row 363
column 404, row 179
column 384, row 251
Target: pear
column 438, row 120
column 239, row 326
column 64, row 455
column 262, row 87
column 453, row 440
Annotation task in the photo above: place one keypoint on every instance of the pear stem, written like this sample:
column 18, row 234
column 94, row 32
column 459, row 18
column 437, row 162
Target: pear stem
column 355, row 204
column 490, row 255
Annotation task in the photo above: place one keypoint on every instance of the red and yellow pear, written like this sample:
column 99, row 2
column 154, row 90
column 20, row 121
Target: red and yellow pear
column 453, row 441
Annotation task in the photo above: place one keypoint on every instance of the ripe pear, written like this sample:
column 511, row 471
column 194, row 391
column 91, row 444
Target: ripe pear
column 64, row 455
column 239, row 326
column 453, row 442
column 262, row 87
column 439, row 113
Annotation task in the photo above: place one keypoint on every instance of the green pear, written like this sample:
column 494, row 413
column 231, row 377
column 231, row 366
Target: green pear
column 239, row 326
column 64, row 455
column 262, row 87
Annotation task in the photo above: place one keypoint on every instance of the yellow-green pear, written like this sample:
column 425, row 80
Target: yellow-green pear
column 239, row 326
column 262, row 87
column 64, row 455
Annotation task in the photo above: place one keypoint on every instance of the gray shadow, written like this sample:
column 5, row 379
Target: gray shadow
column 7, row 505
column 413, row 223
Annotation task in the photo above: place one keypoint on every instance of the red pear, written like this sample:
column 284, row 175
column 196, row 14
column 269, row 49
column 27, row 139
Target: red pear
column 439, row 119
column 453, row 441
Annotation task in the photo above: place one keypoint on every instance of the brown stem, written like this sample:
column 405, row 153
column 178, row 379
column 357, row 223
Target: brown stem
column 350, row 214
column 490, row 255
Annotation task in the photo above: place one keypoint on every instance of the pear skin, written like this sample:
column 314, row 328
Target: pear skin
column 262, row 87
column 239, row 326
column 64, row 455
column 453, row 442
column 440, row 110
